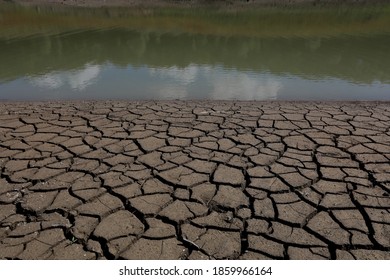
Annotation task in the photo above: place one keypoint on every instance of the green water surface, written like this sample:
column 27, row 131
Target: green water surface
column 297, row 53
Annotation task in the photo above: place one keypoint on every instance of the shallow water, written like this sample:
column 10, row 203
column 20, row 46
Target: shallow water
column 51, row 54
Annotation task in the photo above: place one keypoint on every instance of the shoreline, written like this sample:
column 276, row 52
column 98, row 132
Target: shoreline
column 193, row 101
column 191, row 3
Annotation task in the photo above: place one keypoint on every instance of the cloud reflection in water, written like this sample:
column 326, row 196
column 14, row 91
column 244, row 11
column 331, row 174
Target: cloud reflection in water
column 221, row 83
column 77, row 80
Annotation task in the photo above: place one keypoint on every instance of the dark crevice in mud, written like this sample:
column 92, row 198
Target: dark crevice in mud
column 312, row 180
column 317, row 235
column 15, row 258
column 66, row 149
column 104, row 246
column 69, row 236
column 297, row 191
column 136, row 142
column 211, row 177
column 371, row 177
column 112, row 189
column 247, row 179
column 285, row 243
column 251, row 202
column 285, row 252
column 92, row 147
column 319, row 193
column 332, row 251
column 157, row 238
column 309, row 217
column 244, row 239
column 341, row 225
column 332, row 246
column 72, row 219
column 166, row 220
column 139, row 215
column 68, row 233
column 368, row 222
column 126, row 204
column 319, row 254
column 7, row 178
column 73, row 194
column 274, row 206
column 189, row 245
column 169, row 183
column 30, row 215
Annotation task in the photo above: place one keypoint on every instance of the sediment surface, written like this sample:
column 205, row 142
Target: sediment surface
column 194, row 180
column 187, row 3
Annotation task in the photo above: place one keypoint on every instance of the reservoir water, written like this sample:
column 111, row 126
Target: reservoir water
column 306, row 53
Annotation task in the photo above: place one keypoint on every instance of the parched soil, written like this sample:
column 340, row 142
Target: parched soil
column 194, row 180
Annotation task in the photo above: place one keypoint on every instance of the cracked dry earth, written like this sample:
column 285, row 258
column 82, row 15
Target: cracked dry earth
column 194, row 180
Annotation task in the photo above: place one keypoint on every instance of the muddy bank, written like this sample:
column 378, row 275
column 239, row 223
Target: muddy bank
column 185, row 3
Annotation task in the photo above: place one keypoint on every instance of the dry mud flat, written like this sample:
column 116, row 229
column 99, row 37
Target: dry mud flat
column 194, row 180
